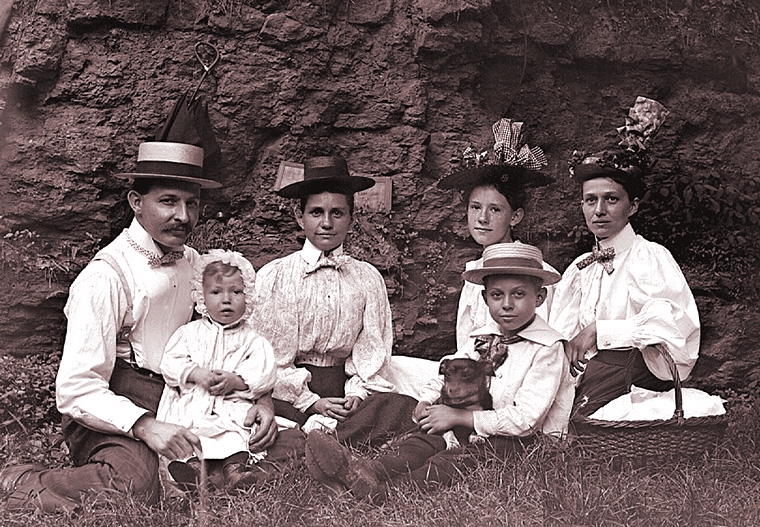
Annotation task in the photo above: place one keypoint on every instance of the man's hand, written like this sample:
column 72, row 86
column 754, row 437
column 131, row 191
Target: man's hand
column 224, row 382
column 172, row 441
column 576, row 348
column 441, row 418
column 420, row 410
column 262, row 414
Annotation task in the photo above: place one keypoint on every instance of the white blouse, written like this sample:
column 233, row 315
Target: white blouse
column 322, row 315
column 645, row 301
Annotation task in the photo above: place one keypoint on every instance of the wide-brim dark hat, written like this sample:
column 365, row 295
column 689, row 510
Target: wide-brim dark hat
column 512, row 259
column 326, row 173
column 516, row 176
column 170, row 161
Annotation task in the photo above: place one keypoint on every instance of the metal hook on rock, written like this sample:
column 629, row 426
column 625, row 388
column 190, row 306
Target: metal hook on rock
column 207, row 65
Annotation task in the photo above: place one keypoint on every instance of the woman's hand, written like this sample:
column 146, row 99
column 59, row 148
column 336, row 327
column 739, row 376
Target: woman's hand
column 576, row 348
column 441, row 418
column 334, row 407
column 225, row 382
column 420, row 411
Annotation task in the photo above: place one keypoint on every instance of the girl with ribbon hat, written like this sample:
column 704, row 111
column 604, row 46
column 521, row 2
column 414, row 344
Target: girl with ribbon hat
column 495, row 183
column 628, row 294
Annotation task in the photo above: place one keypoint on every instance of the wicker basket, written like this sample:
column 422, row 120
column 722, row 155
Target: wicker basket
column 651, row 440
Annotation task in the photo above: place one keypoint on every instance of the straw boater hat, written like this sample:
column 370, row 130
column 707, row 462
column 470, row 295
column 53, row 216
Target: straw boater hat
column 508, row 162
column 173, row 161
column 629, row 161
column 512, row 258
column 326, row 173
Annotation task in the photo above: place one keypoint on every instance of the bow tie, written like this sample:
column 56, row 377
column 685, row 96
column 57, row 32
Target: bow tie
column 603, row 256
column 334, row 261
column 155, row 260
column 494, row 348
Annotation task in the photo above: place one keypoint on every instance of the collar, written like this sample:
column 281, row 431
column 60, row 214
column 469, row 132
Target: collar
column 621, row 242
column 232, row 325
column 538, row 331
column 311, row 254
column 141, row 237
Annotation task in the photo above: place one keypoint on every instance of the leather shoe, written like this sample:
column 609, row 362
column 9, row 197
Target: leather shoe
column 187, row 474
column 13, row 477
column 240, row 476
column 335, row 465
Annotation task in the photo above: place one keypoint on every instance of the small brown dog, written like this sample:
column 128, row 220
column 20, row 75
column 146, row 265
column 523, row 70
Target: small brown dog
column 465, row 386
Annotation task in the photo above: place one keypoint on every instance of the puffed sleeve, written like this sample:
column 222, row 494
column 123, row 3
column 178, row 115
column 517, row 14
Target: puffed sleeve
column 564, row 315
column 275, row 317
column 95, row 310
column 662, row 308
column 257, row 369
column 177, row 361
column 533, row 399
column 366, row 366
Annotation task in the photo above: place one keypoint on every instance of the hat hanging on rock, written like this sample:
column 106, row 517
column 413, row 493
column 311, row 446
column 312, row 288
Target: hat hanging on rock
column 512, row 259
column 508, row 162
column 630, row 159
column 326, row 174
column 172, row 161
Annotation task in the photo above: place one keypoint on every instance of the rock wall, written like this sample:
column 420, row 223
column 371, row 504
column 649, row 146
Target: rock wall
column 397, row 87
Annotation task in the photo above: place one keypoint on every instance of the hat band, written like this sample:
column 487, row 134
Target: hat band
column 512, row 262
column 324, row 172
column 167, row 168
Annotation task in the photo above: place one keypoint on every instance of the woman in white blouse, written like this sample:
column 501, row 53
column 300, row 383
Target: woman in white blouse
column 326, row 314
column 616, row 302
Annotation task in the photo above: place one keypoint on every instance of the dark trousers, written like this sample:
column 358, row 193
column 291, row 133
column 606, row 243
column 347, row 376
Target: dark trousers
column 423, row 458
column 107, row 462
column 609, row 375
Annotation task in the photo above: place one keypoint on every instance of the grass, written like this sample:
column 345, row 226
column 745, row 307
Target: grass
column 551, row 485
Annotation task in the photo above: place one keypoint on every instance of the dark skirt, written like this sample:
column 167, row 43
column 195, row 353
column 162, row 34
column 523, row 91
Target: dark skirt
column 328, row 381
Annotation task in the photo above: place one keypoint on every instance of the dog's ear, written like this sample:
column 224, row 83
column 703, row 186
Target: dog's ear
column 486, row 368
column 443, row 369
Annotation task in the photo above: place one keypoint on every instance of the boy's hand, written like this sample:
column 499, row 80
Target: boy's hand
column 420, row 411
column 225, row 382
column 203, row 377
column 441, row 418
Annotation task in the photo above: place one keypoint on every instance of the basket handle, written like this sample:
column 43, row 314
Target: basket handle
column 676, row 380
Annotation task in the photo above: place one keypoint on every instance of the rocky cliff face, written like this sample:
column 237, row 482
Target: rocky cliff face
column 397, row 87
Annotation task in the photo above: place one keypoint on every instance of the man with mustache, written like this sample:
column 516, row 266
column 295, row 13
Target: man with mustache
column 121, row 311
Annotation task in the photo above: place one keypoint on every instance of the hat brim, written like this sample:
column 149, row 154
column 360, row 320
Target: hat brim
column 204, row 183
column 586, row 171
column 350, row 185
column 516, row 176
column 476, row 276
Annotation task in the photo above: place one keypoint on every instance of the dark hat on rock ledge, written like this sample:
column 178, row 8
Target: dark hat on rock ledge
column 326, row 174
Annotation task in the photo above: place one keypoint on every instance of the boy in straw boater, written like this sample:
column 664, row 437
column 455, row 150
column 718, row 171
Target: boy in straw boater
column 532, row 389
column 121, row 311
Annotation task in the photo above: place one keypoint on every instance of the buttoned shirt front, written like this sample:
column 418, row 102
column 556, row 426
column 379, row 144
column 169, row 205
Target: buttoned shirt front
column 532, row 390
column 96, row 310
column 644, row 301
column 324, row 315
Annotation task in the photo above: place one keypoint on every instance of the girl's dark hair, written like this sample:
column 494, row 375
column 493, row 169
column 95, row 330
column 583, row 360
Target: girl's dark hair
column 334, row 190
column 517, row 197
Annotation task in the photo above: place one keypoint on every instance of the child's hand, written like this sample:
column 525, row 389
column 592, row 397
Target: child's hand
column 419, row 411
column 203, row 377
column 441, row 418
column 225, row 382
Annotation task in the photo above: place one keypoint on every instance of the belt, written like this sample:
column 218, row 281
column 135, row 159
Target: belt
column 145, row 372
